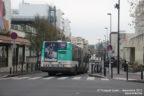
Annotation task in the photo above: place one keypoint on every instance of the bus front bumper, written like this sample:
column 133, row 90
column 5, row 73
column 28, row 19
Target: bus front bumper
column 57, row 69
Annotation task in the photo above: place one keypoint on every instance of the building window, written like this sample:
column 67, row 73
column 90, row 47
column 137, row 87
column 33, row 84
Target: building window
column 3, row 56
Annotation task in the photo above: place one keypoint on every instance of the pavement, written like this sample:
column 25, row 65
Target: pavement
column 7, row 74
column 132, row 77
column 40, row 84
column 3, row 74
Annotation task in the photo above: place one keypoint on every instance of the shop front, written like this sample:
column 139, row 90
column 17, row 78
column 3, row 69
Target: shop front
column 12, row 59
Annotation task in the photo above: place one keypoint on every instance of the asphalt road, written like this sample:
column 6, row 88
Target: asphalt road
column 80, row 85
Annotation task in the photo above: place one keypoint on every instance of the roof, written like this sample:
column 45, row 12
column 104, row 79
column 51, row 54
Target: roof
column 8, row 40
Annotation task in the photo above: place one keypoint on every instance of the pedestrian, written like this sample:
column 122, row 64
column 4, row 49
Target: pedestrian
column 86, row 58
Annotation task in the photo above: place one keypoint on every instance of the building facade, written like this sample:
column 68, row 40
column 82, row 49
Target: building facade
column 132, row 44
column 28, row 12
column 82, row 43
column 135, row 44
column 67, row 30
column 10, row 59
column 114, row 39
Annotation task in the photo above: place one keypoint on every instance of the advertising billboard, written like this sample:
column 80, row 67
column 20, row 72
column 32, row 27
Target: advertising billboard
column 51, row 49
column 3, row 20
column 62, row 46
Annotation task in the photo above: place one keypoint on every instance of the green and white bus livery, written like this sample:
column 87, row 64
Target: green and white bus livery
column 62, row 57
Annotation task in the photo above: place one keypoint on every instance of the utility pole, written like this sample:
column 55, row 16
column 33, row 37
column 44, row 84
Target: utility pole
column 110, row 25
column 118, row 7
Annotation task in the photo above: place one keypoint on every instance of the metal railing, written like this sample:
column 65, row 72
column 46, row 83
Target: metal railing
column 25, row 67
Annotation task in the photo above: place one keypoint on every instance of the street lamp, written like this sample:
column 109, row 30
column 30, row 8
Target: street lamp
column 107, row 34
column 106, row 41
column 118, row 7
column 110, row 25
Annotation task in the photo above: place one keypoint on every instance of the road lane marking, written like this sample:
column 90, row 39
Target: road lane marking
column 48, row 78
column 76, row 78
column 62, row 78
column 34, row 78
column 91, row 78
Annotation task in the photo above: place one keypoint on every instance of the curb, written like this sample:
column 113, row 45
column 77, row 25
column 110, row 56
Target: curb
column 100, row 76
column 138, row 81
column 96, row 75
column 12, row 75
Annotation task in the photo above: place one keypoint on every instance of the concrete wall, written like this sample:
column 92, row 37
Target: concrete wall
column 136, row 55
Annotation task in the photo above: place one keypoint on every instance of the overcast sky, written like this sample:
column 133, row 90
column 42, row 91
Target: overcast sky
column 89, row 17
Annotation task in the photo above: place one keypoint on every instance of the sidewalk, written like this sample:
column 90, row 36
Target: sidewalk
column 3, row 74
column 135, row 77
column 6, row 74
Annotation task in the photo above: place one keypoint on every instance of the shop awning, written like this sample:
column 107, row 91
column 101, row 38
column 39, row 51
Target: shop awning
column 8, row 40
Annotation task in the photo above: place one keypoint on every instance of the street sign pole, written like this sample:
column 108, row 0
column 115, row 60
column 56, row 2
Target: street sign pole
column 14, row 56
column 14, row 37
column 109, row 53
column 109, row 48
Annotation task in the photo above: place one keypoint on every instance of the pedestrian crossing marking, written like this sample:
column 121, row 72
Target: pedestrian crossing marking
column 4, row 78
column 25, row 77
column 48, row 78
column 16, row 78
column 105, row 79
column 118, row 78
column 62, row 78
column 58, row 78
column 34, row 78
column 76, row 78
column 91, row 78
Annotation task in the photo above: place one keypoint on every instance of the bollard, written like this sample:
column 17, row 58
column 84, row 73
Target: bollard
column 94, row 69
column 111, row 71
column 141, row 74
column 91, row 68
column 13, row 69
column 27, row 67
column 31, row 67
column 127, row 71
column 10, row 70
column 16, row 68
column 22, row 67
column 104, row 71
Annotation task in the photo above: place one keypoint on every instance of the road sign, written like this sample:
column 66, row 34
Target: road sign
column 14, row 35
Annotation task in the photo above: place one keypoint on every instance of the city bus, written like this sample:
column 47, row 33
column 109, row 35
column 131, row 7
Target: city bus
column 62, row 57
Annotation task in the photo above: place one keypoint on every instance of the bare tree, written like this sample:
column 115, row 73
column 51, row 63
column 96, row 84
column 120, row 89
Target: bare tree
column 44, row 32
column 133, row 13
